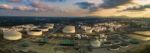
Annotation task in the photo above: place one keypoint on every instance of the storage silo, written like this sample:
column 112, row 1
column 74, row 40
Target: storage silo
column 34, row 32
column 12, row 35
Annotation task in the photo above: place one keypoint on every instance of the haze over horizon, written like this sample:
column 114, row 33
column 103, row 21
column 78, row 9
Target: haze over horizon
column 66, row 8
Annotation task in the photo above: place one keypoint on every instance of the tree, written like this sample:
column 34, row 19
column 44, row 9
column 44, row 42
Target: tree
column 24, row 44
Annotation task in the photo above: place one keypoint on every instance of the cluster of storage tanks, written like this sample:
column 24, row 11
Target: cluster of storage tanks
column 10, row 34
column 14, row 33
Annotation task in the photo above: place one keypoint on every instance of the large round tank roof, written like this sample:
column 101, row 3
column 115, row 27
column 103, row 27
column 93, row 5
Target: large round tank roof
column 34, row 32
column 69, row 29
column 114, row 47
column 44, row 28
column 50, row 25
column 12, row 35
column 95, row 43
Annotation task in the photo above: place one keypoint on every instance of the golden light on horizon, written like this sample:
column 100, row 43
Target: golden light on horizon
column 115, row 12
column 141, row 2
column 120, row 10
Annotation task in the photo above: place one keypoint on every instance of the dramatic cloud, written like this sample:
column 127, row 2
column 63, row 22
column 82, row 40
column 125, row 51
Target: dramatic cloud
column 14, row 0
column 137, row 8
column 113, row 3
column 87, row 5
column 103, row 4
column 141, row 2
column 56, row 0
column 41, row 6
column 131, row 8
column 5, row 6
column 28, row 5
column 11, row 7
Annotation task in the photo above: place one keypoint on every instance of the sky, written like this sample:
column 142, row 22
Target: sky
column 65, row 8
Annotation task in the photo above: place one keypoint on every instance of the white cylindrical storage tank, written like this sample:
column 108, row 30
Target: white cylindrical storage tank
column 124, row 45
column 95, row 43
column 103, row 40
column 107, row 43
column 69, row 29
column 89, row 31
column 116, row 42
column 114, row 47
column 50, row 26
column 78, row 36
column 44, row 29
column 34, row 32
column 12, row 35
column 97, row 29
column 102, row 36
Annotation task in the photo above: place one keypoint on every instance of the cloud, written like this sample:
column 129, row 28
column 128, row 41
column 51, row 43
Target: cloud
column 113, row 3
column 121, row 12
column 141, row 2
column 103, row 4
column 55, row 0
column 28, row 5
column 137, row 8
column 129, row 9
column 13, row 0
column 87, row 5
column 5, row 6
column 20, row 8
column 39, row 6
column 77, row 7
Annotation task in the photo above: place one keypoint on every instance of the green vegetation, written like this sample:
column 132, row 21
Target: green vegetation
column 134, row 42
column 135, row 25
column 7, row 50
column 24, row 44
column 67, row 42
column 43, row 41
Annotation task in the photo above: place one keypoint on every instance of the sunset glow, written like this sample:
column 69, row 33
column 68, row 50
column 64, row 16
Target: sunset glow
column 129, row 8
